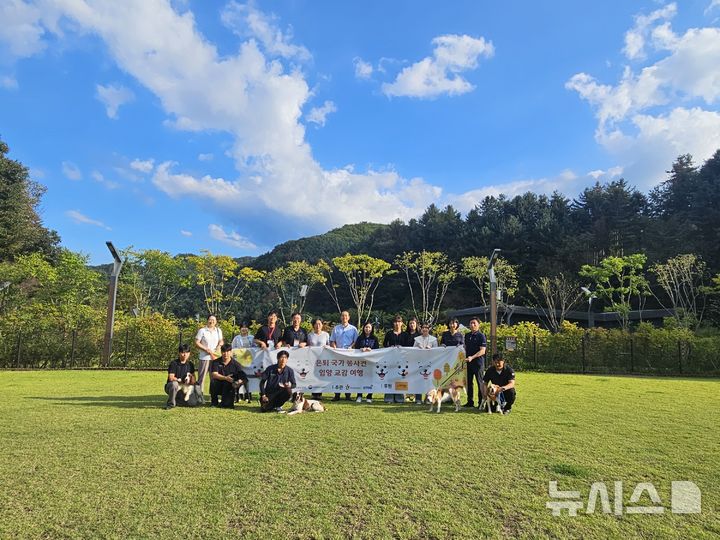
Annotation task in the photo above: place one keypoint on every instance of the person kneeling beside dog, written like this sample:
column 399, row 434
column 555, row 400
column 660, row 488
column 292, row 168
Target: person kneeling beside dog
column 502, row 378
column 226, row 376
column 181, row 379
column 276, row 384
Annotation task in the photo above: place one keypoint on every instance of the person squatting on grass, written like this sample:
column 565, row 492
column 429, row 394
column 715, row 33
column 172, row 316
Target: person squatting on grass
column 504, row 378
column 180, row 371
column 475, row 347
column 208, row 339
column 226, row 375
column 276, row 384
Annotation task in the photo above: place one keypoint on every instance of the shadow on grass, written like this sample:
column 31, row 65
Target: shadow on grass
column 123, row 402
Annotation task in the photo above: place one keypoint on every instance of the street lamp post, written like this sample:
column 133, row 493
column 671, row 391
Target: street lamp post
column 112, row 294
column 493, row 301
column 589, row 295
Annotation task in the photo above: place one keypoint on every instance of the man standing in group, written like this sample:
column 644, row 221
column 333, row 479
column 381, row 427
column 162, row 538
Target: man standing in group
column 270, row 335
column 208, row 339
column 225, row 377
column 343, row 337
column 276, row 384
column 503, row 377
column 180, row 371
column 295, row 336
column 475, row 347
column 396, row 338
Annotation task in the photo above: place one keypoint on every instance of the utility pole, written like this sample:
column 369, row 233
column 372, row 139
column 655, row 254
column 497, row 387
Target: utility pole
column 112, row 294
column 493, row 302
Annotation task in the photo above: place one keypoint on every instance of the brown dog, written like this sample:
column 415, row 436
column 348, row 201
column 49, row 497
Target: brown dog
column 438, row 395
column 301, row 405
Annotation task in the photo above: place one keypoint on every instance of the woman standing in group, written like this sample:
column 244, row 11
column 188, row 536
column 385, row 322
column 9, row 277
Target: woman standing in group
column 366, row 342
column 208, row 339
column 453, row 337
column 317, row 338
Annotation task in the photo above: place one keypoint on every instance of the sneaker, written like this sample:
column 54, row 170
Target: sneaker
column 168, row 407
column 507, row 411
column 469, row 405
column 279, row 410
column 359, row 399
column 368, row 400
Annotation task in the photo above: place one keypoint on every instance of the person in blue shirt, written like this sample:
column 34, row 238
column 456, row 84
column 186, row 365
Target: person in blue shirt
column 276, row 384
column 343, row 337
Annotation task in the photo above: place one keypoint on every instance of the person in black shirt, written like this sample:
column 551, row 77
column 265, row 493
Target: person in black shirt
column 180, row 371
column 270, row 332
column 226, row 375
column 475, row 347
column 411, row 332
column 504, row 377
column 295, row 336
column 395, row 338
column 366, row 342
column 276, row 384
column 452, row 337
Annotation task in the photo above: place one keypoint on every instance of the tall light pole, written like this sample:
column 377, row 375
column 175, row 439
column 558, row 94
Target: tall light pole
column 589, row 295
column 112, row 293
column 493, row 301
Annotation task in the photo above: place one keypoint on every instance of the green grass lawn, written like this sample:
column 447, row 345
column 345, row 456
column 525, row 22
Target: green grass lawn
column 93, row 454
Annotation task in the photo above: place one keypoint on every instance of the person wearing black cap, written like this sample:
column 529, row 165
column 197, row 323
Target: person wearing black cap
column 276, row 384
column 503, row 377
column 226, row 375
column 180, row 371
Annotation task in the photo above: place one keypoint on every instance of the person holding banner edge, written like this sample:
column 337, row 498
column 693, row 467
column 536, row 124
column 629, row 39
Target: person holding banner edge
column 343, row 337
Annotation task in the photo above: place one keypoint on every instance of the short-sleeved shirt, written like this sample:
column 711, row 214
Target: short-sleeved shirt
column 211, row 338
column 271, row 379
column 232, row 368
column 366, row 342
column 180, row 370
column 500, row 379
column 452, row 340
column 474, row 341
column 394, row 340
column 243, row 342
column 426, row 342
column 344, row 336
column 264, row 334
column 291, row 335
column 318, row 340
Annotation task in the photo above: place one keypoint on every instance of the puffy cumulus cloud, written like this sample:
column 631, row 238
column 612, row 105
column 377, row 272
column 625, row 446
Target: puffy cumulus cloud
column 439, row 74
column 142, row 165
column 71, row 171
column 21, row 31
column 636, row 37
column 113, row 97
column 246, row 20
column 363, row 69
column 612, row 172
column 318, row 115
column 644, row 119
column 82, row 219
column 230, row 238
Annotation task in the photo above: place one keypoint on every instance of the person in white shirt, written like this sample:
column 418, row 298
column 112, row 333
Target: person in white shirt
column 318, row 338
column 424, row 341
column 244, row 340
column 208, row 340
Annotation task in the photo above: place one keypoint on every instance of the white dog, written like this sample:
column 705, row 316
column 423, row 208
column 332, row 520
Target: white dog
column 437, row 396
column 491, row 401
column 186, row 388
column 300, row 405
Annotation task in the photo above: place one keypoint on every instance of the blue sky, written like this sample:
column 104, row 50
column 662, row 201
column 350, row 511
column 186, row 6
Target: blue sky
column 234, row 126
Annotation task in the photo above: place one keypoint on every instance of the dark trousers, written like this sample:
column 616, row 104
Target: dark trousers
column 224, row 391
column 348, row 396
column 475, row 372
column 509, row 396
column 276, row 398
column 369, row 396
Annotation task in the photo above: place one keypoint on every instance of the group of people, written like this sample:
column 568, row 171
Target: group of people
column 278, row 381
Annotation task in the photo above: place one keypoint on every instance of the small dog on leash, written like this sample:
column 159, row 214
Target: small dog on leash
column 301, row 405
column 437, row 396
column 490, row 403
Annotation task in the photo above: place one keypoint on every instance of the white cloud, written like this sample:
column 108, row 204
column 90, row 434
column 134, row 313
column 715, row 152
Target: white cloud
column 80, row 218
column 100, row 179
column 649, row 118
column 205, row 157
column 232, row 238
column 714, row 4
column 185, row 233
column 318, row 115
column 612, row 172
column 144, row 166
column 8, row 82
column 636, row 36
column 113, row 97
column 71, row 171
column 21, row 30
column 246, row 20
column 439, row 74
column 363, row 70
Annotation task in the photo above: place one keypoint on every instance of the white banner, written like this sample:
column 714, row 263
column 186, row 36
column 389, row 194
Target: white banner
column 395, row 370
